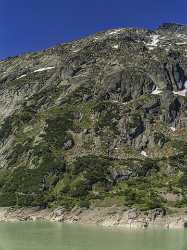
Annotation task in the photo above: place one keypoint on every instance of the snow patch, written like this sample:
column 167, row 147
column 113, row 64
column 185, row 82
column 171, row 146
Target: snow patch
column 181, row 36
column 124, row 103
column 143, row 153
column 185, row 85
column 114, row 32
column 173, row 129
column 21, row 76
column 76, row 50
column 115, row 46
column 156, row 91
column 154, row 41
column 181, row 43
column 151, row 48
column 43, row 69
column 180, row 92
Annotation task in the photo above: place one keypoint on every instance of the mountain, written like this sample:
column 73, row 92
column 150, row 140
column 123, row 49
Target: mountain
column 99, row 121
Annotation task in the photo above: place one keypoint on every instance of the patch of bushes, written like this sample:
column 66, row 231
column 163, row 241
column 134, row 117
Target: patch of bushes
column 76, row 185
column 138, row 192
column 93, row 168
column 56, row 129
column 108, row 116
column 6, row 128
column 183, row 179
column 26, row 185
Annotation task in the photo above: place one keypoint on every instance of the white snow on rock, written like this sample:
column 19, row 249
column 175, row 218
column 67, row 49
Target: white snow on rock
column 156, row 91
column 115, row 32
column 151, row 48
column 75, row 51
column 183, row 36
column 115, row 46
column 173, row 129
column 154, row 42
column 182, row 43
column 180, row 35
column 115, row 101
column 43, row 69
column 143, row 153
column 21, row 76
column 181, row 92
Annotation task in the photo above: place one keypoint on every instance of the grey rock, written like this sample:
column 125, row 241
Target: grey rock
column 155, row 213
column 133, row 214
column 115, row 93
column 59, row 211
column 87, row 97
column 68, row 144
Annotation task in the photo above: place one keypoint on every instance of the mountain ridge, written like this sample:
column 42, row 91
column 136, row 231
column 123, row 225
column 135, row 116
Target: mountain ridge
column 161, row 26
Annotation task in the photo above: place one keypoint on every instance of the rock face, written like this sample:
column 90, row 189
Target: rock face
column 109, row 216
column 76, row 118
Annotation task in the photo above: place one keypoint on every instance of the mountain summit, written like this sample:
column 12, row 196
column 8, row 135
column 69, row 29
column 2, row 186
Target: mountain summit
column 99, row 121
column 173, row 27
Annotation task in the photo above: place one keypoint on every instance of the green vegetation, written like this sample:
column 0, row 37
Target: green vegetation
column 90, row 132
column 107, row 116
column 45, row 178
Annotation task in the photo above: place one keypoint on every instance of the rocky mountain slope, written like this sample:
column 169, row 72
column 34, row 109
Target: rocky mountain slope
column 97, row 122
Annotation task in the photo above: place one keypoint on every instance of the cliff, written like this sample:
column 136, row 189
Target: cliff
column 98, row 122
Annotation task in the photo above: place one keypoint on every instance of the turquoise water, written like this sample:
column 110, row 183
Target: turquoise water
column 58, row 236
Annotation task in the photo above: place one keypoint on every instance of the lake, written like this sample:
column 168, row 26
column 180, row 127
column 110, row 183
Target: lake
column 58, row 236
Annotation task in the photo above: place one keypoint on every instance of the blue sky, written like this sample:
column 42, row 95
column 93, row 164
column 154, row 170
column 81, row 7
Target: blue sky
column 29, row 25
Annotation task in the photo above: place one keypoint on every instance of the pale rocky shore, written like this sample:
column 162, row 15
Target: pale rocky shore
column 109, row 217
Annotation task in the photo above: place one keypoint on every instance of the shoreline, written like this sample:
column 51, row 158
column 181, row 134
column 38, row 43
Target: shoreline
column 109, row 217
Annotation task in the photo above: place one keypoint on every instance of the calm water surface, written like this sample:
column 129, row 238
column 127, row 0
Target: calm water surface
column 57, row 236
